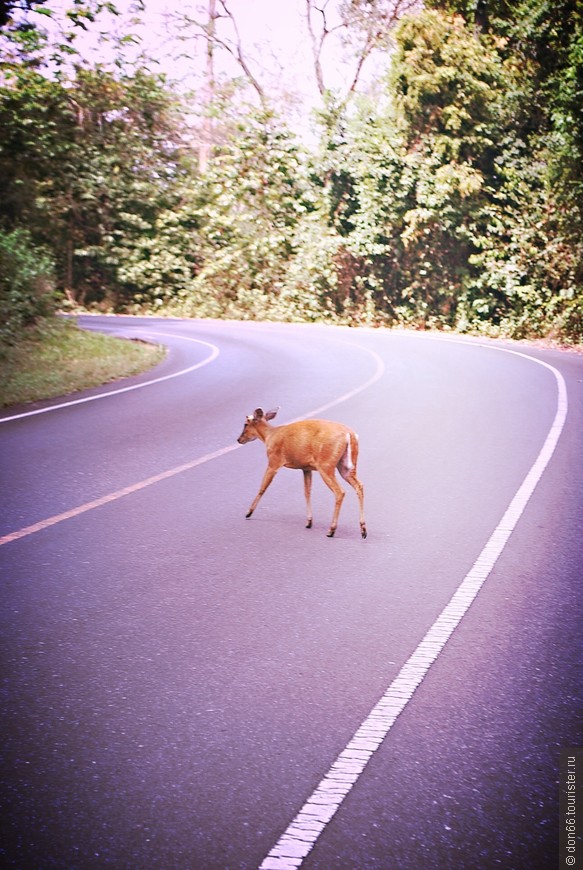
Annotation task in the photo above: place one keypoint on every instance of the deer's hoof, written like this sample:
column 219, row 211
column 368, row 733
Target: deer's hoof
column 248, row 514
column 309, row 524
column 331, row 533
column 363, row 531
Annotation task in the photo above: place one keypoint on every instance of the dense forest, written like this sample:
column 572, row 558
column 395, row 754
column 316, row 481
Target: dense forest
column 445, row 192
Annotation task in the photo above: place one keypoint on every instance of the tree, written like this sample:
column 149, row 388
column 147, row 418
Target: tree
column 532, row 277
column 361, row 27
column 128, row 149
column 246, row 210
column 85, row 163
column 26, row 285
column 455, row 200
column 422, row 173
column 218, row 32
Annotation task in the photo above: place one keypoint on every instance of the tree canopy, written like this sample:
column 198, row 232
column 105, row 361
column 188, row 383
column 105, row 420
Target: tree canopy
column 446, row 192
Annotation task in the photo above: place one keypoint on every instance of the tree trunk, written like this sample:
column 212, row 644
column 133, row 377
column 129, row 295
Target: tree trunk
column 207, row 124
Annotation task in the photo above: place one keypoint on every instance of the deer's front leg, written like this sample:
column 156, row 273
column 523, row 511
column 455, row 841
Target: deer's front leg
column 267, row 478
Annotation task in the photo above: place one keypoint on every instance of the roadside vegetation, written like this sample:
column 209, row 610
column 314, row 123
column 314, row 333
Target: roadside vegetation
column 444, row 191
column 54, row 358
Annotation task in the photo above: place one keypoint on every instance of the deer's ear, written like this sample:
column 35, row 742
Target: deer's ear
column 258, row 415
column 271, row 414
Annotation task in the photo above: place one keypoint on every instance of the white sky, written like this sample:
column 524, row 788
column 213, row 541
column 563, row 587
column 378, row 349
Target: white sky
column 273, row 33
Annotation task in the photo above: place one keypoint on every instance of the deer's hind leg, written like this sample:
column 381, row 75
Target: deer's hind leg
column 308, row 494
column 351, row 478
column 330, row 480
column 347, row 468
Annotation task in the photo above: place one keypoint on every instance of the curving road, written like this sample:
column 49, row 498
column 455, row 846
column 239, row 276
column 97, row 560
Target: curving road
column 183, row 688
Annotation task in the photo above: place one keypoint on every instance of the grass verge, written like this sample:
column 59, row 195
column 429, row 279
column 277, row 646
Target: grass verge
column 57, row 358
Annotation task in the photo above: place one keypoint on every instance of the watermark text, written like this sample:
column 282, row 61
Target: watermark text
column 570, row 807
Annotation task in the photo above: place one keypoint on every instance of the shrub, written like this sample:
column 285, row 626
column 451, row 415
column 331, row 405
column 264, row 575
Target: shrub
column 26, row 284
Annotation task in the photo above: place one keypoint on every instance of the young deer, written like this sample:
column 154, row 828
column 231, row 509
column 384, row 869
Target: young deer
column 312, row 445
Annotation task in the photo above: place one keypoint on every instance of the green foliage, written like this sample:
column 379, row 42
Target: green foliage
column 245, row 211
column 442, row 80
column 8, row 6
column 26, row 285
column 421, row 172
column 455, row 200
column 526, row 260
column 88, row 166
column 462, row 220
column 127, row 145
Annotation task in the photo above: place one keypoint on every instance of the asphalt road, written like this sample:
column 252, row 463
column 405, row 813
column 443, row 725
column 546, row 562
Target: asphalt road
column 180, row 683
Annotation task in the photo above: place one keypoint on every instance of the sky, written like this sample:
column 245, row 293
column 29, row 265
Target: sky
column 273, row 34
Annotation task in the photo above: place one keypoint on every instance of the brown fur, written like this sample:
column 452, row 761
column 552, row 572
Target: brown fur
column 309, row 445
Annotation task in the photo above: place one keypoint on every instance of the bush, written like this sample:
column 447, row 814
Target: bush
column 26, row 284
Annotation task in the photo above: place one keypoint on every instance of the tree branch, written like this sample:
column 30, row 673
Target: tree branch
column 236, row 51
column 367, row 22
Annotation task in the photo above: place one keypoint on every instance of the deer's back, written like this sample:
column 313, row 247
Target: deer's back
column 309, row 443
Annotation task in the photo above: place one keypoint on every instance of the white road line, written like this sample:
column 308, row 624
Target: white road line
column 213, row 355
column 378, row 373
column 311, row 821
column 129, row 490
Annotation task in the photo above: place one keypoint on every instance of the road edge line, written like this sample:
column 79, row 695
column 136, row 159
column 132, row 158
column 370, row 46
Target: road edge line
column 309, row 824
column 213, row 355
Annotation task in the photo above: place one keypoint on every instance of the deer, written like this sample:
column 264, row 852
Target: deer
column 309, row 445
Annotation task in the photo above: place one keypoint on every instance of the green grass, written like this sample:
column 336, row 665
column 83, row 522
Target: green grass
column 57, row 358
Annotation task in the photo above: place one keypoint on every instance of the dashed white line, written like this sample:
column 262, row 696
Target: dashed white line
column 378, row 373
column 301, row 835
column 112, row 496
column 157, row 478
